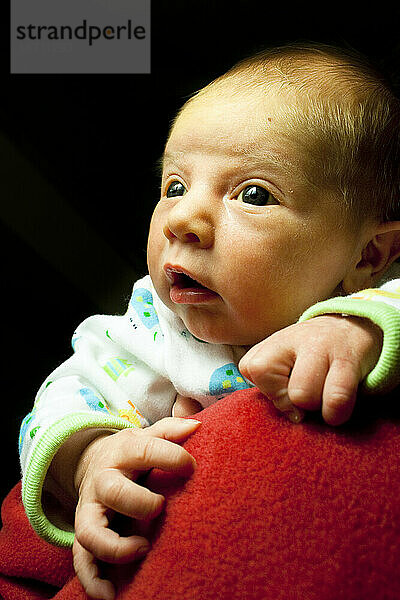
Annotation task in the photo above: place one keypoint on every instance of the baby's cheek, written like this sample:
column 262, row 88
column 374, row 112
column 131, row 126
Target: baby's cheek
column 155, row 247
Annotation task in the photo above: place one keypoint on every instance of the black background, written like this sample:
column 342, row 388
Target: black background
column 95, row 139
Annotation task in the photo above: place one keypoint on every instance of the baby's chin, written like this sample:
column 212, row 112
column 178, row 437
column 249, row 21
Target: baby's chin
column 213, row 336
column 206, row 334
column 206, row 325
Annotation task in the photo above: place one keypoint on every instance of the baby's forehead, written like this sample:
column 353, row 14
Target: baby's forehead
column 254, row 109
column 239, row 122
column 269, row 103
column 246, row 117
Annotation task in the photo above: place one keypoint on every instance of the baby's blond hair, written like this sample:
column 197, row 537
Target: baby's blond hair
column 344, row 113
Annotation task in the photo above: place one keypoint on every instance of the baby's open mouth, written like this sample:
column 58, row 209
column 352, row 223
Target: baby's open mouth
column 185, row 289
column 185, row 281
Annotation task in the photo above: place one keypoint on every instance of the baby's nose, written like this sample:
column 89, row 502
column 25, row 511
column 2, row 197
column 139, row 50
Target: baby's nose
column 190, row 224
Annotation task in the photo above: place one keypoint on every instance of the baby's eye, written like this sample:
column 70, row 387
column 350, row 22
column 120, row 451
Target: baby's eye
column 256, row 195
column 176, row 188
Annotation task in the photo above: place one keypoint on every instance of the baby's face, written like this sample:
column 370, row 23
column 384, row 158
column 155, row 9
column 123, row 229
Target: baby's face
column 241, row 242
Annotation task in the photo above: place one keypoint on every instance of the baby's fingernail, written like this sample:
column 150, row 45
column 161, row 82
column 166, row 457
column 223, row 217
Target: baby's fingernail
column 282, row 401
column 187, row 421
column 295, row 415
column 143, row 550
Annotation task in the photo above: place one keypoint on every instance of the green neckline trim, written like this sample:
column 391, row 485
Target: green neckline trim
column 40, row 460
column 386, row 374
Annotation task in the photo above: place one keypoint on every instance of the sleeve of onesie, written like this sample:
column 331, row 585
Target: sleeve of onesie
column 382, row 307
column 97, row 388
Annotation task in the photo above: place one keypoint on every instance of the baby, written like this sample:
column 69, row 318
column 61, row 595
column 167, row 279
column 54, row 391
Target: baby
column 279, row 202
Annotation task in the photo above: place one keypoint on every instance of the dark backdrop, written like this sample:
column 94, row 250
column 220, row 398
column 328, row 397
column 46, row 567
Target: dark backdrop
column 79, row 177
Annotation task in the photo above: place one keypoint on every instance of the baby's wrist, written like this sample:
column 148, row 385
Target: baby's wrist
column 385, row 376
column 364, row 336
column 372, row 336
column 64, row 466
column 86, row 457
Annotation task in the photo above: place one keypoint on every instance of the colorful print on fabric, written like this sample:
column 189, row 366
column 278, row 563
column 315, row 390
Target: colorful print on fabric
column 133, row 416
column 25, row 425
column 370, row 294
column 74, row 340
column 116, row 367
column 226, row 379
column 93, row 401
column 142, row 302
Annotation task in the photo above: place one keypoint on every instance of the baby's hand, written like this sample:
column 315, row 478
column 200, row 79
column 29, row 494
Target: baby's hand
column 105, row 483
column 314, row 365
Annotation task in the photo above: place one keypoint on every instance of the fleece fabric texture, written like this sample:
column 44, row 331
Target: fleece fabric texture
column 274, row 511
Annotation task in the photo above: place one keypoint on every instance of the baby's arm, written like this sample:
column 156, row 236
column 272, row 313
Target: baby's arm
column 319, row 363
column 107, row 384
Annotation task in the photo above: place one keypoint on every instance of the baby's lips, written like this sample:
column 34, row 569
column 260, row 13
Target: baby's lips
column 171, row 274
column 177, row 275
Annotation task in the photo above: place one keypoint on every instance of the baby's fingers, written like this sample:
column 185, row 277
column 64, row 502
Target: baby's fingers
column 307, row 380
column 340, row 392
column 88, row 574
column 123, row 496
column 92, row 534
column 143, row 449
column 269, row 367
column 174, row 429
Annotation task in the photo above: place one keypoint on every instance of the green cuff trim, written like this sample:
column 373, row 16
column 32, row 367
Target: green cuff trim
column 386, row 374
column 39, row 463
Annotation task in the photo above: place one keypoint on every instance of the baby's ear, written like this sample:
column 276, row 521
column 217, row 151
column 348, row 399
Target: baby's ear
column 377, row 256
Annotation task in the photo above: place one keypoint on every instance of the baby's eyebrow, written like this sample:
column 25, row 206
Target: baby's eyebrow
column 263, row 156
column 255, row 157
column 170, row 157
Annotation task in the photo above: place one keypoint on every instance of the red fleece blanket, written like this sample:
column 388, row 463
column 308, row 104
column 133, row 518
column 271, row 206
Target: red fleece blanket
column 275, row 511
